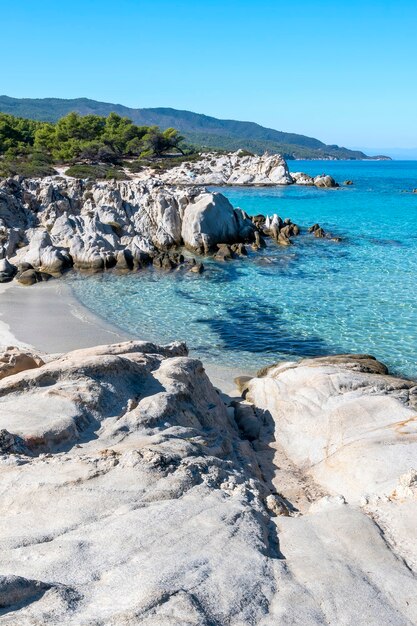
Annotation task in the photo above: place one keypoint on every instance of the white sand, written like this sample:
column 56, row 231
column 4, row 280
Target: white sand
column 49, row 318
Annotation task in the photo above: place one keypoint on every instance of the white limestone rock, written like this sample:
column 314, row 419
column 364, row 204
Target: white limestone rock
column 88, row 224
column 129, row 497
column 235, row 168
column 302, row 179
column 342, row 419
column 211, row 220
column 137, row 501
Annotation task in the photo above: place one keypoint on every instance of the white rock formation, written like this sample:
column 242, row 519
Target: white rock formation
column 228, row 169
column 344, row 420
column 129, row 497
column 325, row 180
column 211, row 220
column 55, row 222
column 235, row 168
column 302, row 179
column 350, row 430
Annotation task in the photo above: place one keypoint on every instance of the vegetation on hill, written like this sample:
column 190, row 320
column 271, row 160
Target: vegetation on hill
column 201, row 130
column 31, row 148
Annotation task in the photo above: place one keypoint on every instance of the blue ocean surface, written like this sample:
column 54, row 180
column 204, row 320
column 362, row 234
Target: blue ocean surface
column 316, row 297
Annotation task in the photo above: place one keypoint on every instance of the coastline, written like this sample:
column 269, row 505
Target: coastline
column 50, row 319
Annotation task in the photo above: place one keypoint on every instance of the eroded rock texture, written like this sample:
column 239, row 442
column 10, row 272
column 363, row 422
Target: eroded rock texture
column 51, row 224
column 131, row 494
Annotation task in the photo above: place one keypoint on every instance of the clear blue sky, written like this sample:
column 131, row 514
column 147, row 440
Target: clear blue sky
column 345, row 72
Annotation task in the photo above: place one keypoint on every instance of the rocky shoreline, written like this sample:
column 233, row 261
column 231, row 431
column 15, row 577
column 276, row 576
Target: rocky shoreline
column 133, row 491
column 237, row 169
column 50, row 225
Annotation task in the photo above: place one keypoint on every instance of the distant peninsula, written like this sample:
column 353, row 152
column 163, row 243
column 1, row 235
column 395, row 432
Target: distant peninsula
column 201, row 130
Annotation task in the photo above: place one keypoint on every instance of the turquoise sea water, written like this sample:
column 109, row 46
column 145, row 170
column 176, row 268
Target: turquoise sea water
column 317, row 297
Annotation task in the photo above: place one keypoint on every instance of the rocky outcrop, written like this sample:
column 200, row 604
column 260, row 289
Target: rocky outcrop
column 228, row 169
column 238, row 168
column 325, row 181
column 351, row 429
column 131, row 494
column 95, row 226
column 320, row 233
column 212, row 220
column 136, row 501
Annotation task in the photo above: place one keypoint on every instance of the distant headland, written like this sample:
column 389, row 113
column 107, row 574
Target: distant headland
column 200, row 130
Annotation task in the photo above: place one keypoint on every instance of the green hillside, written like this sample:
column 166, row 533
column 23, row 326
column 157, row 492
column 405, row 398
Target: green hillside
column 198, row 129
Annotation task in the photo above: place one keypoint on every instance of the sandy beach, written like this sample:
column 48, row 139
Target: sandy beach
column 50, row 319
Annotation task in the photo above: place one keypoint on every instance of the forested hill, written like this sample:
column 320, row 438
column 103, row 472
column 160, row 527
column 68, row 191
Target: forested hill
column 201, row 130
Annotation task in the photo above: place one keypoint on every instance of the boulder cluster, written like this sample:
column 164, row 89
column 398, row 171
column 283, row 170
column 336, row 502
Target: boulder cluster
column 50, row 225
column 237, row 168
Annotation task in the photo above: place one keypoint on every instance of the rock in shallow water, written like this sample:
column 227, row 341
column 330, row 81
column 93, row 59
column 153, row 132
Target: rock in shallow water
column 96, row 226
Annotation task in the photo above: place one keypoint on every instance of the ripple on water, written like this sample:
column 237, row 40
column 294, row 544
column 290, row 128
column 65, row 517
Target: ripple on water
column 316, row 298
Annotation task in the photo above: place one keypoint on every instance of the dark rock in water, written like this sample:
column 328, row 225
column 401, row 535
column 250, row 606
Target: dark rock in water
column 141, row 259
column 259, row 242
column 239, row 249
column 283, row 239
column 320, row 233
column 258, row 220
column 224, row 252
column 227, row 252
column 167, row 260
column 348, row 182
column 197, row 268
column 290, row 230
column 163, row 261
column 124, row 260
column 317, row 230
column 110, row 261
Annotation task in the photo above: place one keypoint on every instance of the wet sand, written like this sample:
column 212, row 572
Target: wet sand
column 49, row 318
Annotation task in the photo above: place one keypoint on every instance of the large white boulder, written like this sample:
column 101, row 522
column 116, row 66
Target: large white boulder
column 211, row 219
column 144, row 505
column 344, row 420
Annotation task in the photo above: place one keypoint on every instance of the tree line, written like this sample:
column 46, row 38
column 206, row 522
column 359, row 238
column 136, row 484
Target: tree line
column 90, row 138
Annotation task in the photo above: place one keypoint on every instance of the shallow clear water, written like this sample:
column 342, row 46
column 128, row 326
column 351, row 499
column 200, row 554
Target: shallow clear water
column 317, row 297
